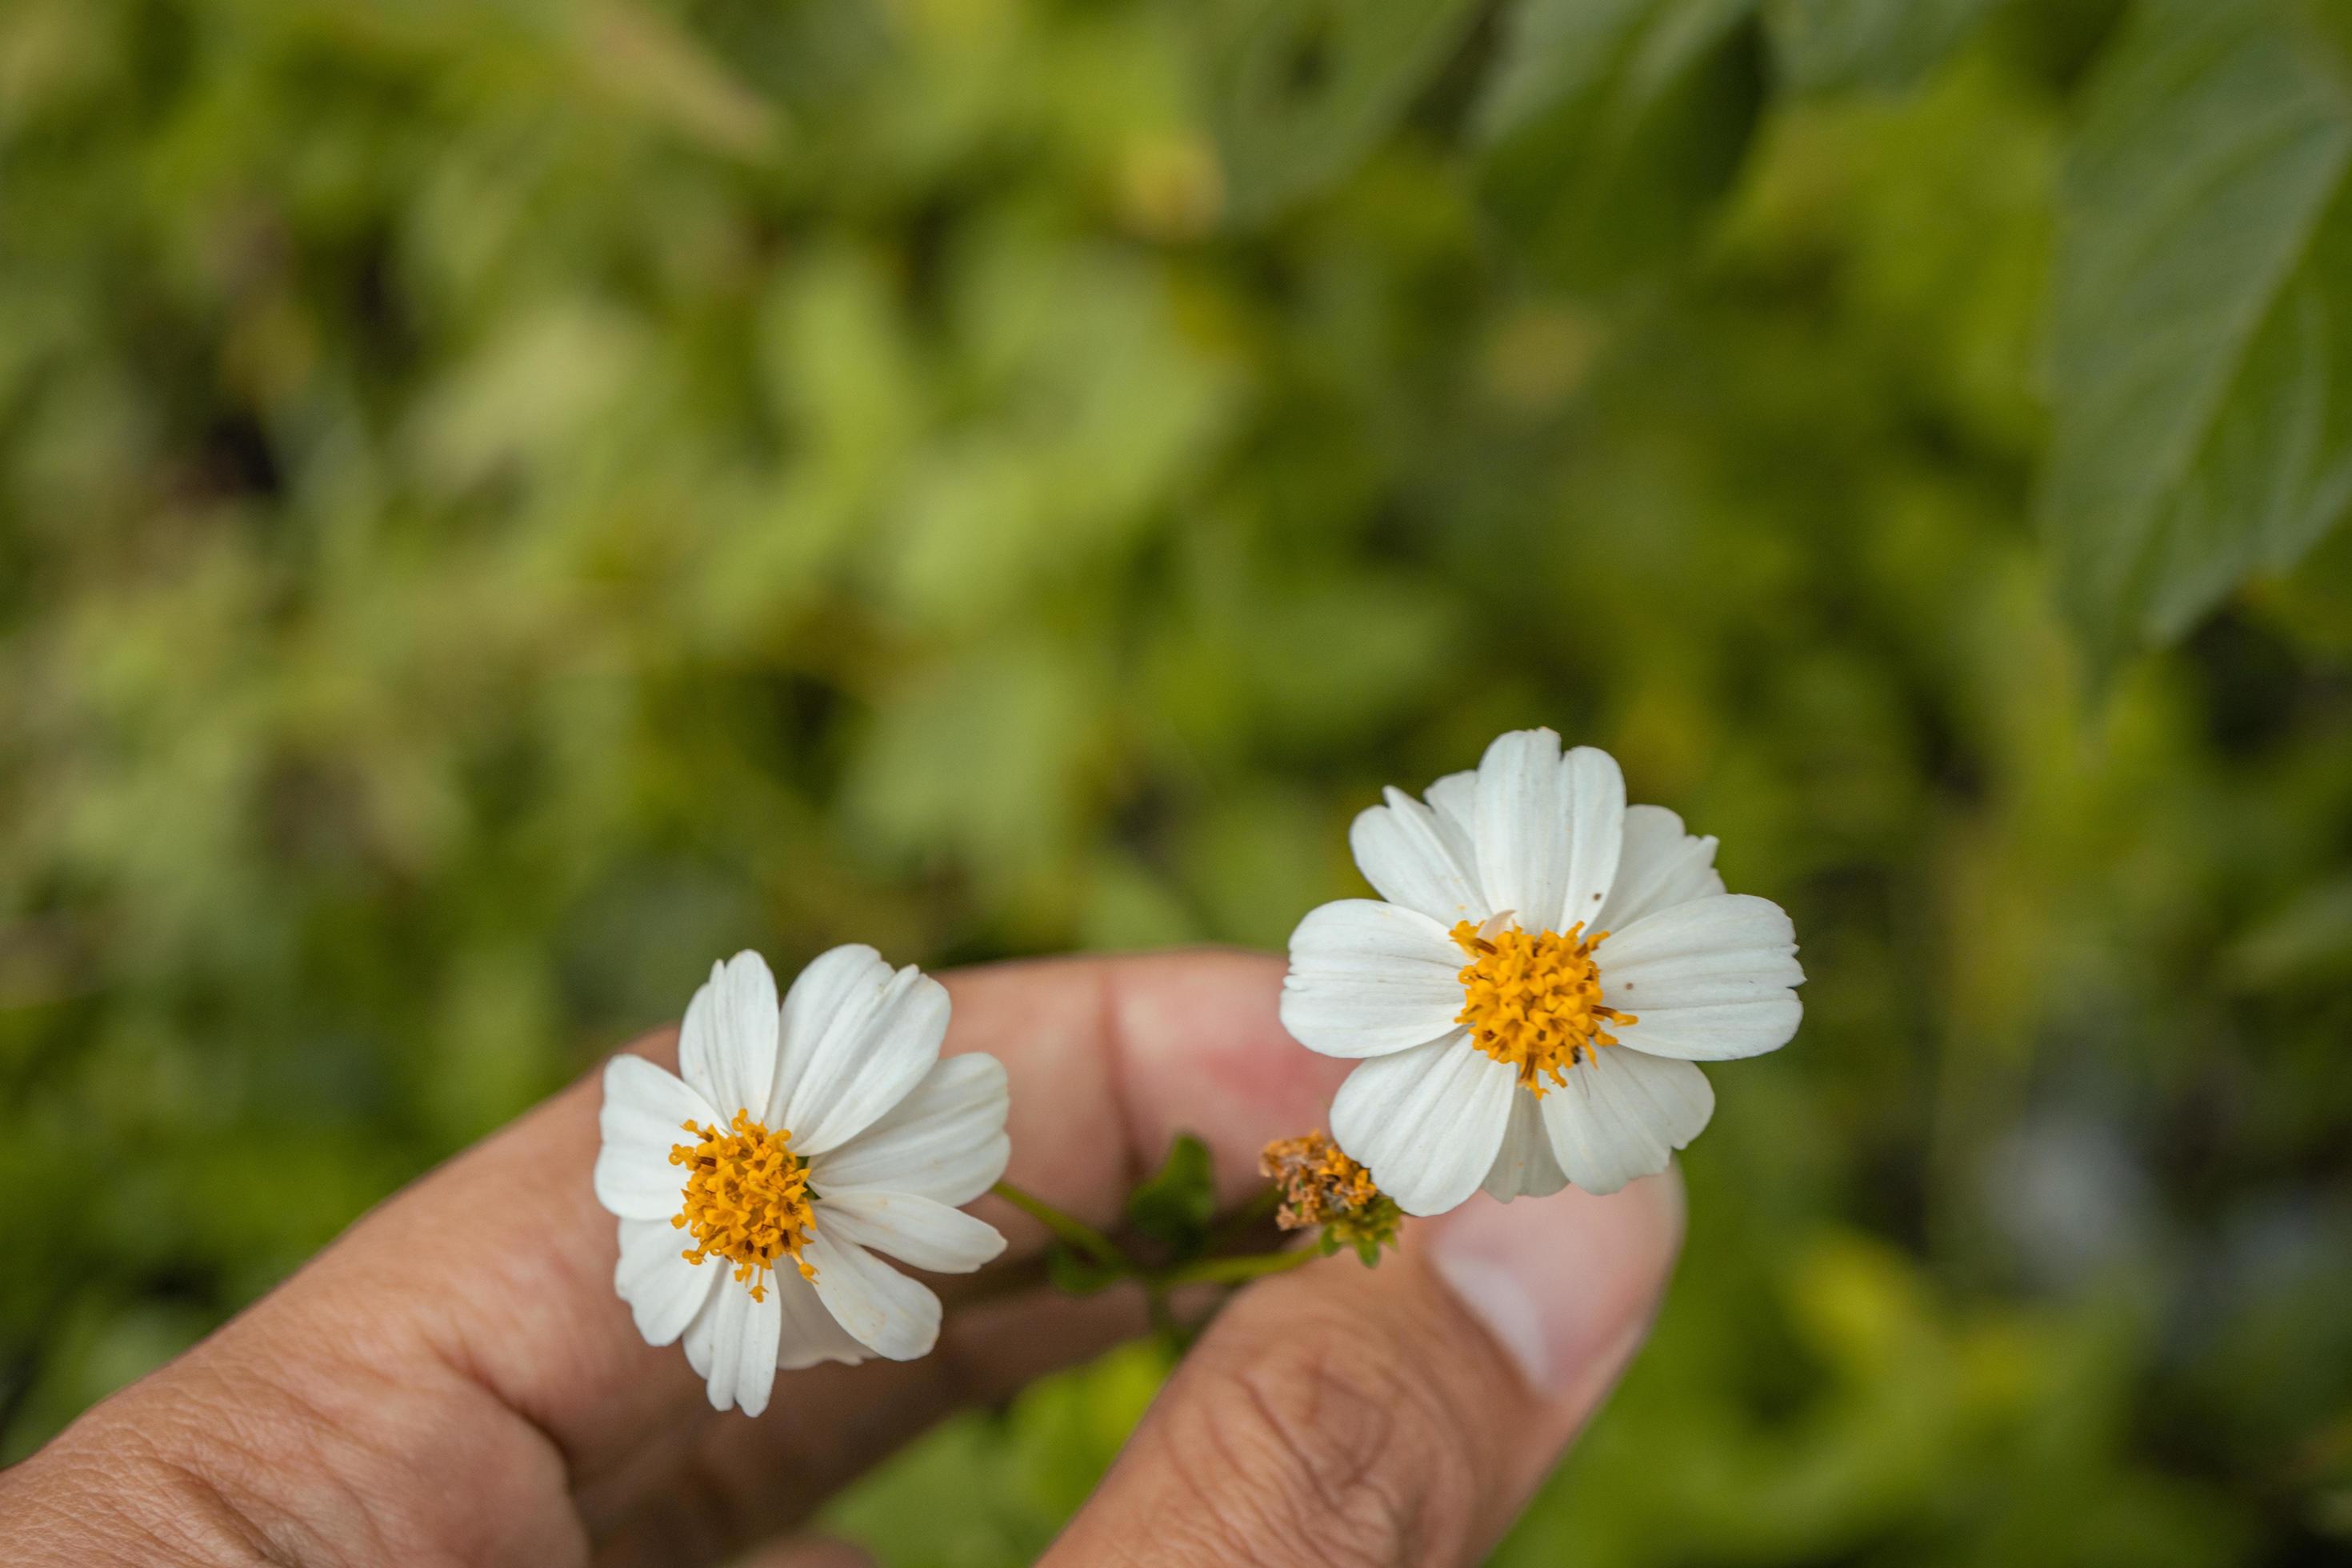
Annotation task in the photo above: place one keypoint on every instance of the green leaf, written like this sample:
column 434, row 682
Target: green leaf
column 1878, row 46
column 1175, row 1206
column 1613, row 127
column 2201, row 346
column 1298, row 90
column 2327, row 25
column 2309, row 943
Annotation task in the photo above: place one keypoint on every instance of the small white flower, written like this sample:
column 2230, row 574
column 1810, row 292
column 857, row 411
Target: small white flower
column 1529, row 999
column 750, row 1189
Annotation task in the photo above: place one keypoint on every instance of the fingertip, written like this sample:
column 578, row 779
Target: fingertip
column 1563, row 1282
column 1110, row 1058
column 1208, row 1054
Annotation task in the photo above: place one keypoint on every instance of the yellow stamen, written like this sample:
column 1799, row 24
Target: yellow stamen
column 1532, row 999
column 746, row 1200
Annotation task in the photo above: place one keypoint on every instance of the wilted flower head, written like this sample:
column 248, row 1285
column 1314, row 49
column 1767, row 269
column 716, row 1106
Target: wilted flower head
column 1321, row 1186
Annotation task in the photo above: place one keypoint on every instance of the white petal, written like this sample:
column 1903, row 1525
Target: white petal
column 1621, row 1115
column 644, row 1116
column 1526, row 1167
column 1453, row 800
column 809, row 1335
column 1522, row 821
column 839, row 983
column 1723, row 933
column 1367, row 978
column 732, row 1343
column 1707, row 979
column 727, row 1048
column 1720, row 1033
column 1594, row 789
column 1661, row 866
column 663, row 1289
column 857, row 1037
column 883, row 1309
column 1428, row 1121
column 945, row 1141
column 914, row 1230
column 1402, row 851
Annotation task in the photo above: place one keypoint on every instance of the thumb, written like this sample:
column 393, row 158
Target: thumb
column 1402, row 1415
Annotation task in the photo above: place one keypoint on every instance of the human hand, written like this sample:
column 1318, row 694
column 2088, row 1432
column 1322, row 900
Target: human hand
column 453, row 1380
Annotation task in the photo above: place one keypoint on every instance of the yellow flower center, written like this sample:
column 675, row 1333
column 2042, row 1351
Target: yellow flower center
column 1532, row 999
column 747, row 1199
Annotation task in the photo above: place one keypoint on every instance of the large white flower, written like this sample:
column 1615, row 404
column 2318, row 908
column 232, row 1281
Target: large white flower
column 750, row 1188
column 1528, row 1000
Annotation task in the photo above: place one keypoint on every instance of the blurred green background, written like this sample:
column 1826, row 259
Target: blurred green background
column 503, row 502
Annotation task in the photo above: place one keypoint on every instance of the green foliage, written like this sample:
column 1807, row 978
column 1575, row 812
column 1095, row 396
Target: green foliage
column 500, row 504
column 1611, row 128
column 1174, row 1205
column 2201, row 346
column 1298, row 90
column 1842, row 45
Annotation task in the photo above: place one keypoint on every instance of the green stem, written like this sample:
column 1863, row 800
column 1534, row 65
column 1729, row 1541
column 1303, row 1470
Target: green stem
column 1082, row 1238
column 1067, row 1229
column 1235, row 1270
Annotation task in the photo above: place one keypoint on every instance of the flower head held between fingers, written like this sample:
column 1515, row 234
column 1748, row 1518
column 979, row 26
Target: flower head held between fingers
column 756, row 1185
column 1321, row 1187
column 1529, row 994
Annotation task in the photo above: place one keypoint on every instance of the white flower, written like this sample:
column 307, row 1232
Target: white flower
column 750, row 1189
column 1529, row 999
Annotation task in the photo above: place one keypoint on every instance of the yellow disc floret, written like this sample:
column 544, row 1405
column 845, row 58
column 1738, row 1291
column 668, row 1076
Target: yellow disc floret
column 747, row 1199
column 1532, row 999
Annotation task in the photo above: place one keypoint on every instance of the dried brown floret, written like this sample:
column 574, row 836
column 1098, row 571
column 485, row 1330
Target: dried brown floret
column 1320, row 1185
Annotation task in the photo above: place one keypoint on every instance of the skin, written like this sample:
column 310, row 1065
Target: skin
column 453, row 1381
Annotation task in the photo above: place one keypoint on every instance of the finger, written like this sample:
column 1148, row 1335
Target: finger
column 498, row 1270
column 1348, row 1419
column 1110, row 1059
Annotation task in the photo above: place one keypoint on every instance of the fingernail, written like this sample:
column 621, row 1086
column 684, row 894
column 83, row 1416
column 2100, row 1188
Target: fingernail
column 1567, row 1282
